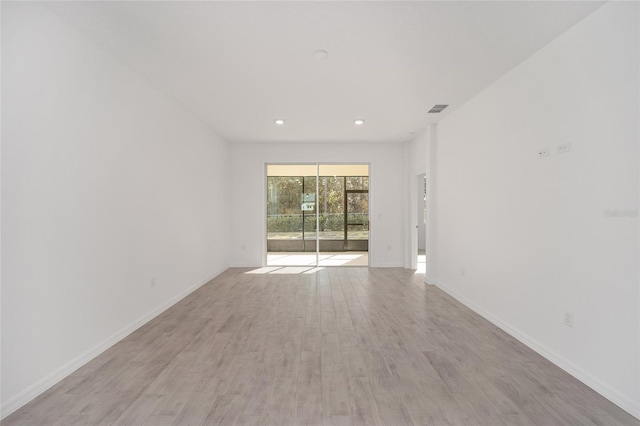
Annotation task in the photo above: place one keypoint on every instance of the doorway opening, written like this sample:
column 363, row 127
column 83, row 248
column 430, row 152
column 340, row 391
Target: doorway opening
column 317, row 214
column 421, row 228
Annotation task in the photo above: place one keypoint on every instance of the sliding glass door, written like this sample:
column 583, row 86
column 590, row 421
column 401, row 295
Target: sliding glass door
column 317, row 214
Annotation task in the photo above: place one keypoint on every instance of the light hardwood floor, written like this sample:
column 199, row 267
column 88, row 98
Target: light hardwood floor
column 341, row 346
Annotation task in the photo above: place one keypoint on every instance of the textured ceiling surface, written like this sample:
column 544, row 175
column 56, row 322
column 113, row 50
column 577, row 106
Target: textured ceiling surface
column 238, row 66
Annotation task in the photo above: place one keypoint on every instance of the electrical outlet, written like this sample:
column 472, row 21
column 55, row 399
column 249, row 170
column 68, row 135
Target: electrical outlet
column 564, row 147
column 152, row 282
column 567, row 319
column 543, row 152
column 463, row 272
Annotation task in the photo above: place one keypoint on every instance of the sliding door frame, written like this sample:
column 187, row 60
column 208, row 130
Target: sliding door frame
column 317, row 165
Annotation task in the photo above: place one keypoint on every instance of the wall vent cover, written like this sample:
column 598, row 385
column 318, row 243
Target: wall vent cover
column 437, row 109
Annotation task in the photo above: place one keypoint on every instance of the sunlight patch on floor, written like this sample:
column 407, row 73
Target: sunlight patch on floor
column 285, row 270
column 265, row 270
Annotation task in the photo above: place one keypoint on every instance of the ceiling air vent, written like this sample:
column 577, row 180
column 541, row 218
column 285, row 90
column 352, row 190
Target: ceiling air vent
column 437, row 109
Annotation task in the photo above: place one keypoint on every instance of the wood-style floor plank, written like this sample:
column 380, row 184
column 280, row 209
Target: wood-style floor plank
column 340, row 346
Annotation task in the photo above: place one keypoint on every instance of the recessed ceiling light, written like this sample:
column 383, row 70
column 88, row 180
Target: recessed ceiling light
column 320, row 54
column 358, row 122
column 279, row 122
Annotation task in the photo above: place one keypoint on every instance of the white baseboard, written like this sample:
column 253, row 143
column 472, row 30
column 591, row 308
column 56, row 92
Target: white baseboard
column 613, row 395
column 31, row 392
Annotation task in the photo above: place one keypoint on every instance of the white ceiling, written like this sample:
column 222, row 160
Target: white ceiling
column 240, row 65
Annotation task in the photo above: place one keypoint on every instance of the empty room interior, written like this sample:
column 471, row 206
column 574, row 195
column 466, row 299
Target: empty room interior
column 375, row 213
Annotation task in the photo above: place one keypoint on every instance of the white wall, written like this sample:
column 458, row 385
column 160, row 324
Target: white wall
column 532, row 233
column 386, row 196
column 105, row 184
column 418, row 153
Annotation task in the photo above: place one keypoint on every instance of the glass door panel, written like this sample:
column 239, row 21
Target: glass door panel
column 284, row 216
column 357, row 220
column 291, row 208
column 331, row 211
